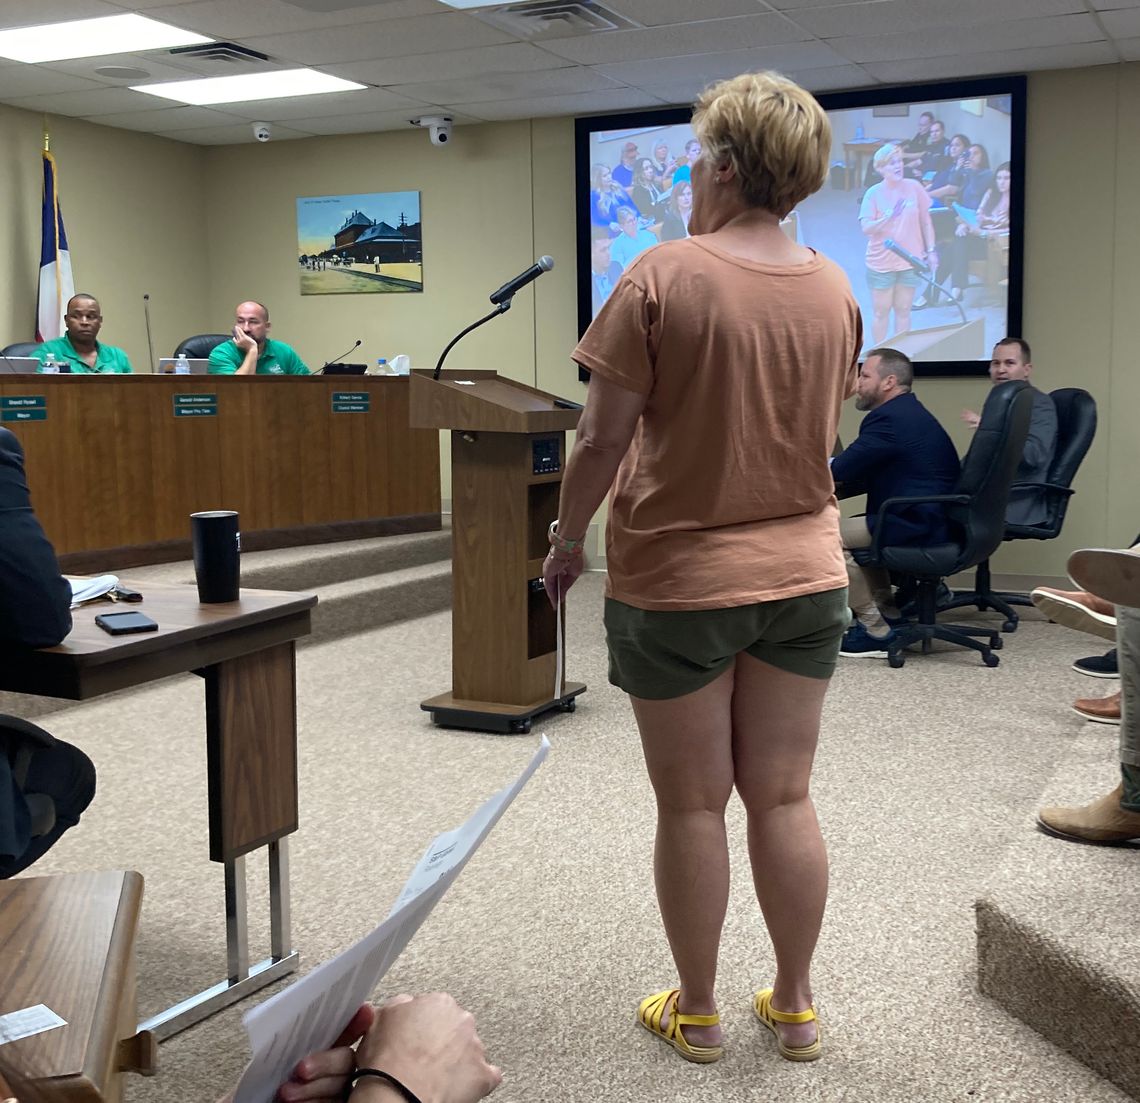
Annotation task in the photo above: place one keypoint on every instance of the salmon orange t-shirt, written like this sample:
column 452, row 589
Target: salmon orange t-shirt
column 725, row 497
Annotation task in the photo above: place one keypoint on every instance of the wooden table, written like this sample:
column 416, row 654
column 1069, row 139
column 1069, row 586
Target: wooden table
column 856, row 151
column 68, row 942
column 117, row 465
column 245, row 652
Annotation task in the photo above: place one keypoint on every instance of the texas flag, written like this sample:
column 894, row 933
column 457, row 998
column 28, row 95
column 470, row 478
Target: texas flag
column 56, row 282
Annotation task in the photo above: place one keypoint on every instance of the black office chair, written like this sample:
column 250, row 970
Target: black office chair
column 975, row 510
column 19, row 740
column 201, row 345
column 20, row 348
column 1076, row 427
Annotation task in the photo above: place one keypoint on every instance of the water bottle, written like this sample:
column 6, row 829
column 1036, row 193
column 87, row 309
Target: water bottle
column 859, row 133
column 181, row 365
column 50, row 367
column 382, row 366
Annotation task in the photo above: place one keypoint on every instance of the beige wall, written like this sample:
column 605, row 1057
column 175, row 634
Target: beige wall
column 201, row 229
column 133, row 207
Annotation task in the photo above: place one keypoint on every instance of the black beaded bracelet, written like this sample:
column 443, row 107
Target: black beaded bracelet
column 380, row 1074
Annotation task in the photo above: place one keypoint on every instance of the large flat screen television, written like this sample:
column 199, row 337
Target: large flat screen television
column 963, row 142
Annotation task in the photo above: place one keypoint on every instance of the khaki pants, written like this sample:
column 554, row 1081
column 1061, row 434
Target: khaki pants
column 868, row 588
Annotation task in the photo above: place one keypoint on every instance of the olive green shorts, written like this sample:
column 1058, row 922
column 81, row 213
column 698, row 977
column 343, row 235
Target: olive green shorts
column 657, row 655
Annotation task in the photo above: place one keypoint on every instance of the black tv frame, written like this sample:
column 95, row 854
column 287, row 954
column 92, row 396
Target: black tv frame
column 1012, row 85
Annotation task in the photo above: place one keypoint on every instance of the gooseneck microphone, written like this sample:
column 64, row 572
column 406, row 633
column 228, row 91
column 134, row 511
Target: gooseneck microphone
column 507, row 291
column 923, row 270
column 343, row 354
column 909, row 257
column 149, row 341
column 502, row 300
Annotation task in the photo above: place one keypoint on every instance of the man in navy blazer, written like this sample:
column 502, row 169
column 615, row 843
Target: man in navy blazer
column 901, row 452
column 44, row 796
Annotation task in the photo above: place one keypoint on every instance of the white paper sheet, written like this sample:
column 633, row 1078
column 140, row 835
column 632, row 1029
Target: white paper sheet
column 309, row 1014
column 28, row 1021
column 86, row 589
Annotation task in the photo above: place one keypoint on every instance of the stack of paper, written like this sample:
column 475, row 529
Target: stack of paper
column 89, row 588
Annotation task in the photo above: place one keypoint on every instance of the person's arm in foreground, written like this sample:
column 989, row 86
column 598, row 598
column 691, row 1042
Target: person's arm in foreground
column 605, row 429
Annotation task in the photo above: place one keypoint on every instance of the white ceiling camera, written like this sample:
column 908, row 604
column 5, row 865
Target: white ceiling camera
column 438, row 128
column 262, row 132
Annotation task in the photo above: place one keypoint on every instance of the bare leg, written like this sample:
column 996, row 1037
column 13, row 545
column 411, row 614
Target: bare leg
column 776, row 718
column 688, row 752
column 881, row 302
column 903, row 298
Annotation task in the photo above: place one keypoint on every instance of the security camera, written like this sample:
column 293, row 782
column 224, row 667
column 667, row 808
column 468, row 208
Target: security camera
column 262, row 132
column 438, row 128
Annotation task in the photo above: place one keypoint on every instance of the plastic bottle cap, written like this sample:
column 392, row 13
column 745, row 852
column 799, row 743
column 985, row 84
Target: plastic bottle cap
column 381, row 361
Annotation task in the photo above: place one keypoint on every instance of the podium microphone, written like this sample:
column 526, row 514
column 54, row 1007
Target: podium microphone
column 340, row 357
column 910, row 258
column 502, row 300
column 507, row 291
column 149, row 342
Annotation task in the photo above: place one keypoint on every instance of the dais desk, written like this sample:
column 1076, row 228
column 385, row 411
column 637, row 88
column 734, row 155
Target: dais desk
column 116, row 465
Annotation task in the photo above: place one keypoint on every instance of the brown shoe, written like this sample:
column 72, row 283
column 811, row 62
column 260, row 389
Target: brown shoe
column 1101, row 710
column 1076, row 609
column 1102, row 823
column 1113, row 575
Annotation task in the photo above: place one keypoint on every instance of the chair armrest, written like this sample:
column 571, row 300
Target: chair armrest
column 897, row 503
column 1055, row 487
column 15, row 733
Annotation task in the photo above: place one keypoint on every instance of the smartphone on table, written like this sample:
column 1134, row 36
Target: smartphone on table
column 120, row 624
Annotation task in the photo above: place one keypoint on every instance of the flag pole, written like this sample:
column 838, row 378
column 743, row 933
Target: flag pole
column 47, row 136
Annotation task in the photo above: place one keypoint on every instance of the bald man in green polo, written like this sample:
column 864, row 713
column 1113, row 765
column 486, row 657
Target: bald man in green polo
column 78, row 347
column 252, row 351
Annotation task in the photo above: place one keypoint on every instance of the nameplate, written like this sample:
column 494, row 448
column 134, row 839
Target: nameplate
column 195, row 405
column 351, row 402
column 23, row 407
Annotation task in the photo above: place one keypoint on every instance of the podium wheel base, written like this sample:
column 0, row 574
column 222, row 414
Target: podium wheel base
column 447, row 711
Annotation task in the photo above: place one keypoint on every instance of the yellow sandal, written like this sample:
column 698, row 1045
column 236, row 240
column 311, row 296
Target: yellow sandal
column 769, row 1016
column 652, row 1010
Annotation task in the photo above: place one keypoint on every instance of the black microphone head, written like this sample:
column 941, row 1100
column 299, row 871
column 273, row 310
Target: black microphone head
column 545, row 263
column 145, row 296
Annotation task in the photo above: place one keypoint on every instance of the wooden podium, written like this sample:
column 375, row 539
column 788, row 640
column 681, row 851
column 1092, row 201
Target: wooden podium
column 508, row 451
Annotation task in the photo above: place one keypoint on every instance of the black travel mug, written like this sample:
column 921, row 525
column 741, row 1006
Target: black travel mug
column 217, row 555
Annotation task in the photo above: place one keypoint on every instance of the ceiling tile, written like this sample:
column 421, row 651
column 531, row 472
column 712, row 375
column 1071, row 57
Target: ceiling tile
column 96, row 101
column 231, row 135
column 331, row 103
column 586, row 103
column 803, row 5
column 695, row 38
column 18, row 80
column 513, row 57
column 1006, row 61
column 510, row 86
column 656, row 13
column 835, row 79
column 898, row 16
column 1112, row 5
column 166, row 119
column 157, row 64
column 249, row 18
column 1129, row 48
column 705, row 68
column 28, row 13
column 1024, row 33
column 389, row 38
column 1122, row 24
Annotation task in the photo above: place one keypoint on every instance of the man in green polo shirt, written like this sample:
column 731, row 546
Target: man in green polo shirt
column 252, row 352
column 77, row 348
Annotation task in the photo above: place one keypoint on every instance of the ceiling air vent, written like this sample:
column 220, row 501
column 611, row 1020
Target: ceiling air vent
column 555, row 19
column 228, row 52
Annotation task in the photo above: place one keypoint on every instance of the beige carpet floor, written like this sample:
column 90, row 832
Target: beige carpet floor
column 925, row 776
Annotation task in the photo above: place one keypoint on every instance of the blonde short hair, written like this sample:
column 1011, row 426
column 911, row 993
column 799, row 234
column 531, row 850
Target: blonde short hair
column 773, row 133
column 883, row 154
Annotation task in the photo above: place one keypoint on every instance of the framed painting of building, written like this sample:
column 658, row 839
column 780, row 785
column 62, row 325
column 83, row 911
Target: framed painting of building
column 360, row 244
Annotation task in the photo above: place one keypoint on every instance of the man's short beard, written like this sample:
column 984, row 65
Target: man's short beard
column 863, row 404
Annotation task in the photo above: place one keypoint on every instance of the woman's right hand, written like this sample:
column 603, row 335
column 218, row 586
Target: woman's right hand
column 430, row 1045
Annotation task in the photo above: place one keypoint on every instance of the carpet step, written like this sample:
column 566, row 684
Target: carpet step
column 1056, row 932
column 318, row 565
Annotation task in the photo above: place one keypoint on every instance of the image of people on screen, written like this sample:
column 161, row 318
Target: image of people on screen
column 915, row 175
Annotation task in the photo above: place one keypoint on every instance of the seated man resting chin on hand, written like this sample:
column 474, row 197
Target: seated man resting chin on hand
column 252, row 351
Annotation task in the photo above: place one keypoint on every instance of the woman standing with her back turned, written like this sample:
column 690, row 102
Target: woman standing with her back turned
column 719, row 364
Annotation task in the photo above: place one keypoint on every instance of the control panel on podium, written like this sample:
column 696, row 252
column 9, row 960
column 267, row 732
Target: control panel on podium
column 508, row 452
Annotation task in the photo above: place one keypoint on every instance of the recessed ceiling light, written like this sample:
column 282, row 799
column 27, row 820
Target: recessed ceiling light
column 252, row 86
column 464, row 4
column 111, row 34
column 121, row 72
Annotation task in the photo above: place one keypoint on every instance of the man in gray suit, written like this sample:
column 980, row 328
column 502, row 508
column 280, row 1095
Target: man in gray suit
column 1011, row 360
